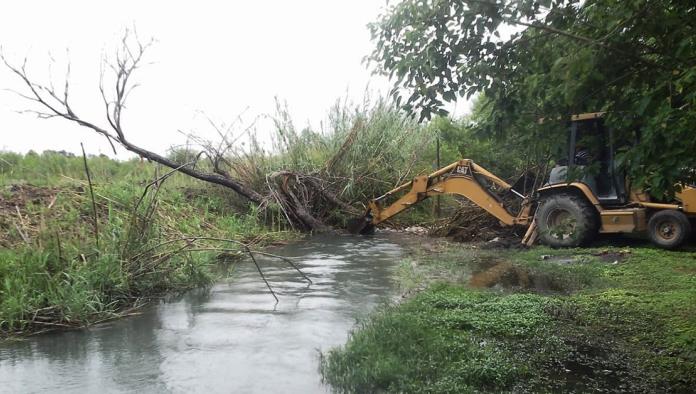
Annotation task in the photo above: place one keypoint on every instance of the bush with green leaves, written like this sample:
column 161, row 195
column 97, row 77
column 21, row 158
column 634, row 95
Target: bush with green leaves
column 553, row 58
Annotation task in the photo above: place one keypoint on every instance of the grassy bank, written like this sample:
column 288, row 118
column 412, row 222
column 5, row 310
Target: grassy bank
column 616, row 320
column 69, row 259
column 63, row 266
column 70, row 256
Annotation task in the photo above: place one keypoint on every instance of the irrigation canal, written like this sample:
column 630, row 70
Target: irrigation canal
column 231, row 338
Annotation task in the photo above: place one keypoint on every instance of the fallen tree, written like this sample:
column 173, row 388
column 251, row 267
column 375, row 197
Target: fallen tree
column 303, row 199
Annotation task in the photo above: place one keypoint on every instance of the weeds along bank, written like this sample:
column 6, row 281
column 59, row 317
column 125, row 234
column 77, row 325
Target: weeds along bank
column 61, row 266
column 538, row 320
column 67, row 259
column 360, row 152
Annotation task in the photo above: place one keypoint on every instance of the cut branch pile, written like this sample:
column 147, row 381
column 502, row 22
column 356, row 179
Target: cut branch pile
column 470, row 223
column 305, row 200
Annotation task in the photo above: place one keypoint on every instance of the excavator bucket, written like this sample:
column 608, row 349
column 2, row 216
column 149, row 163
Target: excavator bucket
column 360, row 226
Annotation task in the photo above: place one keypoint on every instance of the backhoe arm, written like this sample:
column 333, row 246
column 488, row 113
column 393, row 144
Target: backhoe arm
column 459, row 178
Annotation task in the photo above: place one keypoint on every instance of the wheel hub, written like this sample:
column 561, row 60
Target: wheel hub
column 562, row 223
column 667, row 230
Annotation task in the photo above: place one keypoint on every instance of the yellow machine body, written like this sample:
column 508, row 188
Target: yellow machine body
column 457, row 179
column 687, row 197
column 667, row 223
column 461, row 178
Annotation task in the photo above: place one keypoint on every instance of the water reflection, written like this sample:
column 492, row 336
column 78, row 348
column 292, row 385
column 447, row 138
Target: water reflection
column 232, row 338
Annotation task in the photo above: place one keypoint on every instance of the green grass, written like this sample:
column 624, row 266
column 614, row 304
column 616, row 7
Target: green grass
column 593, row 325
column 446, row 339
column 52, row 168
column 53, row 274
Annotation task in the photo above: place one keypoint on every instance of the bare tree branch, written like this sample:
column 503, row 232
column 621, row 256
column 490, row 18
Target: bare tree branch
column 128, row 59
column 302, row 200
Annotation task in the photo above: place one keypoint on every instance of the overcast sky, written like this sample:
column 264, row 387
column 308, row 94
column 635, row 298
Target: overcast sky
column 223, row 58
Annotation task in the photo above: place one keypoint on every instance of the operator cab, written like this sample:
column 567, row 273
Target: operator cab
column 591, row 160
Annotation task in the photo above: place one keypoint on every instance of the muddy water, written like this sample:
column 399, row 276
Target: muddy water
column 231, row 338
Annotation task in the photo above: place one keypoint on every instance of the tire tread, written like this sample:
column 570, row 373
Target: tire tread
column 588, row 214
column 680, row 218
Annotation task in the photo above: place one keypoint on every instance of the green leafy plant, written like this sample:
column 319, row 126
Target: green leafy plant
column 550, row 59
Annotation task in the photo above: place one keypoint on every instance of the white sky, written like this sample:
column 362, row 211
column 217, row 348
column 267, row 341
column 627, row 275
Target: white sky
column 219, row 57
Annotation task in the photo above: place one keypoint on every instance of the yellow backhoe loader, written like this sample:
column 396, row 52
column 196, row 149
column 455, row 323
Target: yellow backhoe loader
column 568, row 210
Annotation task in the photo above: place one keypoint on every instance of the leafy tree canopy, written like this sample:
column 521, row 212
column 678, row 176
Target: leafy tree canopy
column 635, row 59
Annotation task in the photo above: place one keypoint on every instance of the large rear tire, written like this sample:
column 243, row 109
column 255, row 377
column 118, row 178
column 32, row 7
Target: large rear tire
column 566, row 220
column 669, row 229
